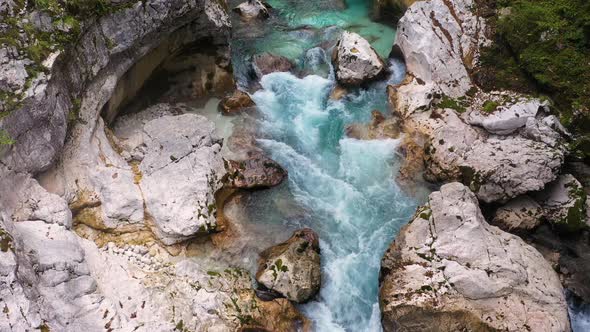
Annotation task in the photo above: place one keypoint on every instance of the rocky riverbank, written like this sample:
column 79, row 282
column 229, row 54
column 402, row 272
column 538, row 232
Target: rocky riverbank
column 509, row 150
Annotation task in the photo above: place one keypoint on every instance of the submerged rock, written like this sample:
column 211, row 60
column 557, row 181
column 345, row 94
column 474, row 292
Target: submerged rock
column 253, row 9
column 267, row 63
column 379, row 128
column 236, row 102
column 449, row 270
column 292, row 268
column 355, row 61
column 564, row 201
column 258, row 171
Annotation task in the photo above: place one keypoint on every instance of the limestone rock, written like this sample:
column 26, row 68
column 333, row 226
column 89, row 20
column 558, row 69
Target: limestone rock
column 236, row 102
column 449, row 270
column 27, row 200
column 292, row 268
column 440, row 42
column 258, row 171
column 253, row 9
column 500, row 169
column 564, row 201
column 181, row 172
column 266, row 63
column 506, row 119
column 520, row 214
column 355, row 61
column 85, row 82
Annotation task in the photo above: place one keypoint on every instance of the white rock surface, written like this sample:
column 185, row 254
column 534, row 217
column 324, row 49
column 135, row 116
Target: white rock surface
column 355, row 61
column 182, row 170
column 440, row 41
column 449, row 270
column 508, row 118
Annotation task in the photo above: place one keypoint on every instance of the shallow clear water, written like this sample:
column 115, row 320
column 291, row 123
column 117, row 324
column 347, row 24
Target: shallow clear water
column 341, row 187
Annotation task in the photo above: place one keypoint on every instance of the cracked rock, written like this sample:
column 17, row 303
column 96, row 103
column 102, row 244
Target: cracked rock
column 449, row 270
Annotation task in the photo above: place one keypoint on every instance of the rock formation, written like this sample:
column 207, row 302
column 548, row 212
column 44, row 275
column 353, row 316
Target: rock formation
column 564, row 202
column 258, row 171
column 267, row 63
column 292, row 268
column 497, row 143
column 449, row 270
column 355, row 61
column 236, row 102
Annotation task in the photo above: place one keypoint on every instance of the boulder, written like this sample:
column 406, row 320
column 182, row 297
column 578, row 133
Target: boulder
column 256, row 172
column 355, row 61
column 449, row 270
column 564, row 202
column 521, row 214
column 266, row 63
column 292, row 268
column 503, row 168
column 505, row 118
column 253, row 9
column 180, row 173
column 234, row 103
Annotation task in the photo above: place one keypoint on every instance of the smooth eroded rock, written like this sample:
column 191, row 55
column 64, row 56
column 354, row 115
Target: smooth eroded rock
column 292, row 268
column 449, row 270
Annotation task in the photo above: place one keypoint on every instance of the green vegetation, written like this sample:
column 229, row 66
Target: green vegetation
column 37, row 44
column 5, row 139
column 458, row 105
column 543, row 46
column 490, row 106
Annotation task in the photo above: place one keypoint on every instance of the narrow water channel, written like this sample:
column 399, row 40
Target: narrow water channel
column 343, row 188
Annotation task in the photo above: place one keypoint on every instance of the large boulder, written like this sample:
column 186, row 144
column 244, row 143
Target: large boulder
column 180, row 170
column 292, row 268
column 355, row 61
column 449, row 270
column 564, row 201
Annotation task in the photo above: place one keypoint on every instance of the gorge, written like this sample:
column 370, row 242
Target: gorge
column 333, row 165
